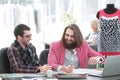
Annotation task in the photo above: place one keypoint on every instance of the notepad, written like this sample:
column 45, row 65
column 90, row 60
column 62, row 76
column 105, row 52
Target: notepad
column 71, row 76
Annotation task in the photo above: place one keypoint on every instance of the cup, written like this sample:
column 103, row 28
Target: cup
column 49, row 73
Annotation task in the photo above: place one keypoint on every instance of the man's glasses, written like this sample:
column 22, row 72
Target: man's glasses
column 27, row 36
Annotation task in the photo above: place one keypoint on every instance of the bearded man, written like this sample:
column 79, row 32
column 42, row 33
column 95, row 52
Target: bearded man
column 71, row 51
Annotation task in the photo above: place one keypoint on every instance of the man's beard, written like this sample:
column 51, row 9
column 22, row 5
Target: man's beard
column 70, row 46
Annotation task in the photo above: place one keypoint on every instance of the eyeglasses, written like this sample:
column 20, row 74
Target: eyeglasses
column 27, row 36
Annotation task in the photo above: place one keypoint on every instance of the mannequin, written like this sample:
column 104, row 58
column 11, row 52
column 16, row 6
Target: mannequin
column 110, row 9
column 109, row 36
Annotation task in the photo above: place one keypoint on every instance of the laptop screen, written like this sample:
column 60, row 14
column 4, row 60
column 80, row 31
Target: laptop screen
column 112, row 66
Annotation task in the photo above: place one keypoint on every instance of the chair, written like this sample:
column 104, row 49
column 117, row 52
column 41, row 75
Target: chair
column 43, row 57
column 4, row 62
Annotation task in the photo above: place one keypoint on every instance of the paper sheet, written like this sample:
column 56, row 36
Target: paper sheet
column 86, row 71
column 31, row 79
column 21, row 75
column 0, row 78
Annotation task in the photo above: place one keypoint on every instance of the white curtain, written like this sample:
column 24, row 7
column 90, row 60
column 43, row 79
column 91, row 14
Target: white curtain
column 46, row 25
column 14, row 14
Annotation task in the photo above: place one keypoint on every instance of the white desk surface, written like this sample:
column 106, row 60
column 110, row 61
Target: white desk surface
column 42, row 77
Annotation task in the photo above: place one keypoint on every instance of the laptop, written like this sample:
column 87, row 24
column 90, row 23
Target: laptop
column 111, row 67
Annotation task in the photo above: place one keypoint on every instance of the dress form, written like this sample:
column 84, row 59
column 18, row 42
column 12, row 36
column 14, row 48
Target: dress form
column 110, row 9
column 109, row 39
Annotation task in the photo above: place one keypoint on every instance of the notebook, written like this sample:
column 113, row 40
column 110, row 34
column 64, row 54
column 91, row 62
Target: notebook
column 111, row 67
column 71, row 76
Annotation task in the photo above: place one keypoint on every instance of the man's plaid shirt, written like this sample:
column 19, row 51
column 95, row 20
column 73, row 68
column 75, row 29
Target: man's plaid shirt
column 23, row 61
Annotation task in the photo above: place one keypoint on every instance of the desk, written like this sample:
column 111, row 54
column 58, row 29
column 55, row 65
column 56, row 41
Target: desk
column 45, row 78
column 53, row 78
column 39, row 76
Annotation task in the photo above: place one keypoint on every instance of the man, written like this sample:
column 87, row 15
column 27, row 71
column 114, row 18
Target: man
column 71, row 51
column 22, row 54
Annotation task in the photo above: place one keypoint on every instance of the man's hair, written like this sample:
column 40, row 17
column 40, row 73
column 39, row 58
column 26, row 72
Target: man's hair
column 19, row 29
column 77, row 35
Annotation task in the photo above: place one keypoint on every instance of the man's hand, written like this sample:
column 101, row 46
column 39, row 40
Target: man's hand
column 67, row 69
column 94, row 60
column 44, row 68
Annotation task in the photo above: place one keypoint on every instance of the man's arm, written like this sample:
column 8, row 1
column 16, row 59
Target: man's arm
column 53, row 56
